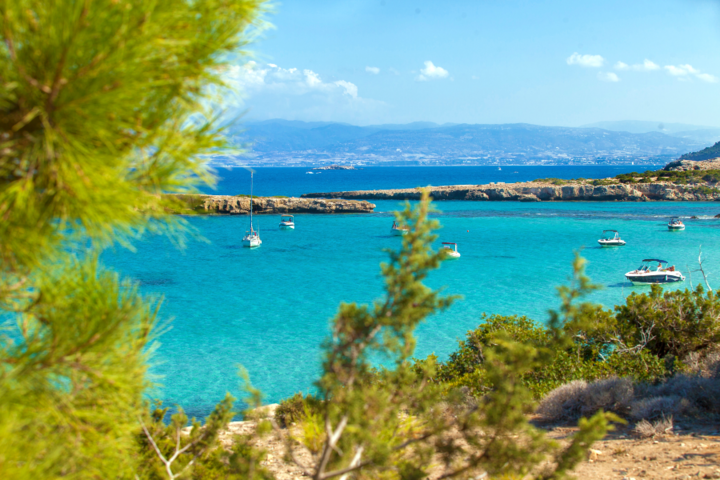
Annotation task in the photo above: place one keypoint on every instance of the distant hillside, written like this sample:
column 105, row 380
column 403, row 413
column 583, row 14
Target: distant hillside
column 280, row 142
column 704, row 154
column 639, row 126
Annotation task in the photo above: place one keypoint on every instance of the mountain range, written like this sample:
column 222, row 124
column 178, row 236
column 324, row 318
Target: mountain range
column 296, row 143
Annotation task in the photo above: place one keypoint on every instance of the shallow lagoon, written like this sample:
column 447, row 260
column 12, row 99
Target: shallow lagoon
column 268, row 309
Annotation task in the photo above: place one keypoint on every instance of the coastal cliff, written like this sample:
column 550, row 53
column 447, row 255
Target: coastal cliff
column 228, row 204
column 541, row 191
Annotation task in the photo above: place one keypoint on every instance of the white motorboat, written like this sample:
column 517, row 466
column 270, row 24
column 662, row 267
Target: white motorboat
column 252, row 237
column 398, row 230
column 450, row 250
column 654, row 271
column 676, row 225
column 287, row 221
column 611, row 238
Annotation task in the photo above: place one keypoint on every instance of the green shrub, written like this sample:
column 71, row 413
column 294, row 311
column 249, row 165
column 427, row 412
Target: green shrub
column 295, row 409
column 584, row 359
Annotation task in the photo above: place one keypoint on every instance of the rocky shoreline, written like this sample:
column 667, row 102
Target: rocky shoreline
column 228, row 204
column 541, row 191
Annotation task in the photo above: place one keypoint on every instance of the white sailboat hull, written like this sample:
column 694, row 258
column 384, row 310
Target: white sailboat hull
column 251, row 241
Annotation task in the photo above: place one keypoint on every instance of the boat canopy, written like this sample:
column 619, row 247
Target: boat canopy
column 287, row 216
column 448, row 243
column 610, row 231
column 655, row 260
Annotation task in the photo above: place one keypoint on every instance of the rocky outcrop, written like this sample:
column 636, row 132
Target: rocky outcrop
column 685, row 165
column 276, row 205
column 539, row 191
column 336, row 167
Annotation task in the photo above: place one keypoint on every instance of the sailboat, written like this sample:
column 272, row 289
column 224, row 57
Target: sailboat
column 252, row 238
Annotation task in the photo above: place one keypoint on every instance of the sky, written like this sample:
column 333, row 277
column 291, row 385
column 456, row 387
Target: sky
column 565, row 63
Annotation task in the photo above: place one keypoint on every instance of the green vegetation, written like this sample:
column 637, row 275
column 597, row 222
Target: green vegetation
column 104, row 106
column 704, row 154
column 673, row 176
column 655, row 342
column 554, row 181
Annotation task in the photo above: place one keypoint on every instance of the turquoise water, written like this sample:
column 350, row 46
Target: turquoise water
column 269, row 308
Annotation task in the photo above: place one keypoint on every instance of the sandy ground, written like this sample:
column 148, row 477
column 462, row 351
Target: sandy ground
column 691, row 450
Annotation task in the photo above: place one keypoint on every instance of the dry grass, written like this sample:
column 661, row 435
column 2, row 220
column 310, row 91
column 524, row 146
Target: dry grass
column 581, row 399
column 645, row 429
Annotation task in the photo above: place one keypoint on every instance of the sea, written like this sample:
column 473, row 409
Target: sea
column 267, row 310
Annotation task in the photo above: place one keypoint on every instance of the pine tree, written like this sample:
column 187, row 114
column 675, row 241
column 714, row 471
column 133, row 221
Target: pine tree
column 104, row 104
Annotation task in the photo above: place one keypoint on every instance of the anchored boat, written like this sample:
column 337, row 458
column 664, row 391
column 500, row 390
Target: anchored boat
column 287, row 221
column 653, row 270
column 676, row 225
column 611, row 238
column 251, row 238
column 398, row 230
column 450, row 250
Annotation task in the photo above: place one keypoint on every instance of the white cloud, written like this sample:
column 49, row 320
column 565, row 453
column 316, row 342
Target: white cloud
column 431, row 72
column 594, row 61
column 393, row 71
column 373, row 70
column 684, row 72
column 681, row 70
column 707, row 77
column 608, row 77
column 270, row 91
column 646, row 66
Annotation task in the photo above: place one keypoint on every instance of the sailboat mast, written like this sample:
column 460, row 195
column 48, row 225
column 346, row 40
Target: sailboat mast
column 251, row 199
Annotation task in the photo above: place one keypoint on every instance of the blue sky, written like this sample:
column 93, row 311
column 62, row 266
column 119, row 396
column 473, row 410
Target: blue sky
column 485, row 61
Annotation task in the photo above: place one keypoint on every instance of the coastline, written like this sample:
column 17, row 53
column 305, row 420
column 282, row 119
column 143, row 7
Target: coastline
column 201, row 204
column 542, row 191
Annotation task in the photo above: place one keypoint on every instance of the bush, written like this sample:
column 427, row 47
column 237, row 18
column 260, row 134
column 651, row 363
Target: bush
column 581, row 360
column 581, row 399
column 295, row 409
column 674, row 323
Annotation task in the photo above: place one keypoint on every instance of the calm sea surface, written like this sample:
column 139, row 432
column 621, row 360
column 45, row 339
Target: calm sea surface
column 269, row 308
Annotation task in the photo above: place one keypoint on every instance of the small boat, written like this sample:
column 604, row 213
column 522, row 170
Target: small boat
column 676, row 224
column 251, row 238
column 653, row 270
column 611, row 240
column 450, row 250
column 287, row 221
column 398, row 230
column 499, row 168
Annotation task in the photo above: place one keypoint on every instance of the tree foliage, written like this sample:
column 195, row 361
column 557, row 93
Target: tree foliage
column 398, row 423
column 104, row 104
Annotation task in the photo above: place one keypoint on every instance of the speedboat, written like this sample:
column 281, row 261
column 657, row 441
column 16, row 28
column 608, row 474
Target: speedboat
column 676, row 225
column 287, row 221
column 653, row 271
column 611, row 240
column 450, row 250
column 398, row 230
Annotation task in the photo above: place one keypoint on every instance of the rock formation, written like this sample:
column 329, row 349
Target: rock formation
column 684, row 165
column 278, row 205
column 539, row 191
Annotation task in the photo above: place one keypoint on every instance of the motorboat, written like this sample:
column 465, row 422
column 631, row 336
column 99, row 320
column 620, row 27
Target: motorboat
column 287, row 221
column 398, row 230
column 676, row 224
column 611, row 238
column 450, row 250
column 654, row 271
column 252, row 237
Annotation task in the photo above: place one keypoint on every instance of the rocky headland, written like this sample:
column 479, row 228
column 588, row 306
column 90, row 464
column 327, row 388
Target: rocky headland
column 681, row 180
column 336, row 167
column 240, row 205
column 536, row 192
